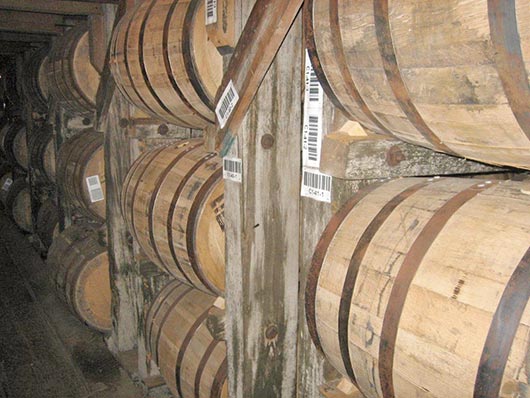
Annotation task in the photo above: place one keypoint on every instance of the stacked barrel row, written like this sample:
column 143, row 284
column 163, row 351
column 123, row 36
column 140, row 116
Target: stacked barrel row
column 15, row 192
column 419, row 287
column 173, row 202
column 450, row 76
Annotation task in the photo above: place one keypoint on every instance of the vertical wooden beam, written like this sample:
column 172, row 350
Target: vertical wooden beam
column 262, row 229
column 125, row 273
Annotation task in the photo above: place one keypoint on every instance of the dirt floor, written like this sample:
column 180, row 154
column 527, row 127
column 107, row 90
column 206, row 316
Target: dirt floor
column 45, row 352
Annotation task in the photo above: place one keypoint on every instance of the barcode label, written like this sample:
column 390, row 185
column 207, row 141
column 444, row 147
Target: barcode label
column 211, row 11
column 313, row 105
column 233, row 169
column 7, row 184
column 226, row 104
column 313, row 89
column 316, row 185
column 94, row 189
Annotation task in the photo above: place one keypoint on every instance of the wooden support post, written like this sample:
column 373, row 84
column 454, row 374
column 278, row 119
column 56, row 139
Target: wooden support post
column 262, row 228
column 357, row 157
column 222, row 32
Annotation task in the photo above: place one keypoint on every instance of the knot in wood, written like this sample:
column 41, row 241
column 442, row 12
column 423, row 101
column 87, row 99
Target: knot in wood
column 395, row 156
column 267, row 141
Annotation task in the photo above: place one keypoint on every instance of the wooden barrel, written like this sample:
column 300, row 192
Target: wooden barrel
column 72, row 80
column 34, row 84
column 173, row 202
column 81, row 173
column 43, row 154
column 18, row 204
column 13, row 144
column 80, row 271
column 6, row 180
column 191, row 361
column 47, row 227
column 448, row 75
column 163, row 62
column 419, row 288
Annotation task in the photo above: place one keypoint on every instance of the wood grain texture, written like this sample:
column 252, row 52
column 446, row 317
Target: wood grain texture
column 80, row 158
column 257, row 46
column 191, row 361
column 426, row 252
column 72, row 79
column 262, row 229
column 163, row 62
column 79, row 269
column 377, row 156
column 173, row 202
column 450, row 76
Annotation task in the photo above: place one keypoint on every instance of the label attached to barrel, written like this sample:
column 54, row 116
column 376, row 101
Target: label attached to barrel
column 211, row 11
column 226, row 104
column 313, row 112
column 7, row 184
column 316, row 185
column 94, row 189
column 233, row 169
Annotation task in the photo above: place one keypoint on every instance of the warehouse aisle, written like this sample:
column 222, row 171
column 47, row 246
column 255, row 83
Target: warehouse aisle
column 44, row 351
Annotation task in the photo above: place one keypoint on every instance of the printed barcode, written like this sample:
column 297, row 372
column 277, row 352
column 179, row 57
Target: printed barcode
column 316, row 185
column 318, row 181
column 94, row 189
column 313, row 139
column 232, row 169
column 314, row 86
column 92, row 181
column 226, row 104
column 211, row 11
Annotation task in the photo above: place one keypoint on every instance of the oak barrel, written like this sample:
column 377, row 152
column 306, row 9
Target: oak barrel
column 18, row 204
column 191, row 361
column 448, row 75
column 42, row 154
column 173, row 202
column 419, row 288
column 163, row 62
column 72, row 79
column 34, row 83
column 47, row 227
column 80, row 271
column 13, row 144
column 81, row 173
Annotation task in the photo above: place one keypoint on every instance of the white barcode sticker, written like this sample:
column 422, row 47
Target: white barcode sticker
column 314, row 95
column 7, row 184
column 313, row 129
column 226, row 104
column 233, row 169
column 316, row 185
column 94, row 189
column 211, row 11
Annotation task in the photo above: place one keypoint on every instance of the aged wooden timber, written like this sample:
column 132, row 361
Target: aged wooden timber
column 258, row 44
column 374, row 157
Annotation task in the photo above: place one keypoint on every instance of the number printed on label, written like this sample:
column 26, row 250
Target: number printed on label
column 316, row 185
column 226, row 104
column 211, row 11
column 233, row 169
column 94, row 189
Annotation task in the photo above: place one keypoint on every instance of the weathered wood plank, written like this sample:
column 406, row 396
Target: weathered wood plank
column 48, row 7
column 257, row 46
column 16, row 21
column 262, row 250
column 371, row 157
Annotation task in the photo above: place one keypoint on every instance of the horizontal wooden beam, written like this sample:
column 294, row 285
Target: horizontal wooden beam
column 94, row 1
column 17, row 21
column 374, row 157
column 24, row 37
column 52, row 7
column 13, row 47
